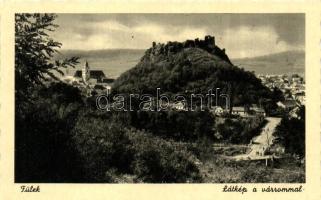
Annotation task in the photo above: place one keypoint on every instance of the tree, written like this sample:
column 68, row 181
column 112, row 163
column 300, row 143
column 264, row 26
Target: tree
column 44, row 115
column 34, row 51
column 291, row 132
column 44, row 149
column 277, row 95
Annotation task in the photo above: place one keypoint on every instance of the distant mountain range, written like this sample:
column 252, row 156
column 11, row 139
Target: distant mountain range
column 116, row 61
column 288, row 62
column 112, row 61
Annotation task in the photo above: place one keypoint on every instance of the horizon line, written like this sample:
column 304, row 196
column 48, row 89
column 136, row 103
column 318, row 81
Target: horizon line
column 294, row 50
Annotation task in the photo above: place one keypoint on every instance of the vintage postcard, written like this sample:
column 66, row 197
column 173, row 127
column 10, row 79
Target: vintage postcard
column 176, row 101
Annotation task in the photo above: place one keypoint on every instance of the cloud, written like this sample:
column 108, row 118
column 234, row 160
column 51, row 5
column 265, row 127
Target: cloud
column 112, row 34
column 253, row 41
column 168, row 33
column 245, row 37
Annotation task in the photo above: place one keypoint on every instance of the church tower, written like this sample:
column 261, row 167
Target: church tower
column 86, row 73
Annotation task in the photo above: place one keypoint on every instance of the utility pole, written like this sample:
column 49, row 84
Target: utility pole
column 267, row 137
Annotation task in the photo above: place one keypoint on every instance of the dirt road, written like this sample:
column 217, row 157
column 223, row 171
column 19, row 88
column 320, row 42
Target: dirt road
column 260, row 143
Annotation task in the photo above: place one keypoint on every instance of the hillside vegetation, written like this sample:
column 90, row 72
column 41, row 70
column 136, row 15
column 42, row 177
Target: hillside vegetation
column 191, row 69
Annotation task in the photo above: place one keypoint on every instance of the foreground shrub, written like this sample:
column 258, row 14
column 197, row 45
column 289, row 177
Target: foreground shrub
column 255, row 174
column 221, row 170
column 105, row 145
column 291, row 133
column 239, row 131
column 158, row 161
column 173, row 124
column 44, row 151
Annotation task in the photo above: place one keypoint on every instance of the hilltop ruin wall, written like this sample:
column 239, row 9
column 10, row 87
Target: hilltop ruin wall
column 171, row 48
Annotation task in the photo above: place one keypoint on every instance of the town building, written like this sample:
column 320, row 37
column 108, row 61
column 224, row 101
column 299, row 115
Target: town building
column 293, row 88
column 239, row 110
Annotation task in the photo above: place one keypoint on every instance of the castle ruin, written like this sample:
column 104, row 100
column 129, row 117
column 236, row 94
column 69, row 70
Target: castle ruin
column 171, row 48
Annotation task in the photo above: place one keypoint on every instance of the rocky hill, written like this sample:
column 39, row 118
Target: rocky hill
column 193, row 66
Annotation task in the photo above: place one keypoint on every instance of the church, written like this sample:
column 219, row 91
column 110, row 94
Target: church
column 88, row 76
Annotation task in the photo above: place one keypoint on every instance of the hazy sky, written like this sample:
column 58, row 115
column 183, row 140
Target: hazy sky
column 242, row 35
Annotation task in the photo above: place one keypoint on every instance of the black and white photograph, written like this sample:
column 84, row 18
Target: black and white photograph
column 159, row 98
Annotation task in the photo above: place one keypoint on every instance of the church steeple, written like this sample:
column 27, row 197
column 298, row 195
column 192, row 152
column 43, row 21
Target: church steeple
column 86, row 73
column 87, row 65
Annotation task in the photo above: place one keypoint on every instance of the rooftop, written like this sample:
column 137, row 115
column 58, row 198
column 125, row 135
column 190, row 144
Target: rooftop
column 96, row 74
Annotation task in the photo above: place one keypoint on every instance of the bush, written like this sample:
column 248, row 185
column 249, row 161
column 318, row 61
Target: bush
column 160, row 161
column 240, row 131
column 59, row 141
column 173, row 124
column 256, row 174
column 105, row 145
column 291, row 133
column 44, row 151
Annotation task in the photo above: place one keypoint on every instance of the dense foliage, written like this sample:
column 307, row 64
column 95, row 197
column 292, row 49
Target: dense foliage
column 44, row 151
column 105, row 145
column 172, row 124
column 291, row 133
column 239, row 131
column 34, row 50
column 59, row 139
column 42, row 124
